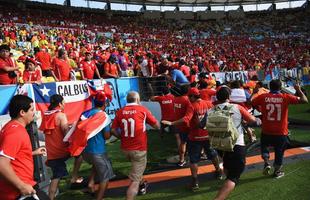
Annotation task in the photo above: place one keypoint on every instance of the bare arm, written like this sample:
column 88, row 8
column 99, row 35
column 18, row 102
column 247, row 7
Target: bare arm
column 10, row 69
column 97, row 72
column 63, row 122
column 7, row 172
column 82, row 74
column 303, row 97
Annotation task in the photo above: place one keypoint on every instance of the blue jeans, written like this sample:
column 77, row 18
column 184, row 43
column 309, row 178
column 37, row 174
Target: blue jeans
column 278, row 142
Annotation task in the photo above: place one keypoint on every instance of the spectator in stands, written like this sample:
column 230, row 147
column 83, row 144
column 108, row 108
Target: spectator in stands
column 234, row 162
column 32, row 73
column 55, row 126
column 16, row 155
column 88, row 67
column 44, row 58
column 178, row 77
column 8, row 69
column 131, row 120
column 123, row 62
column 61, row 67
column 111, row 68
column 274, row 109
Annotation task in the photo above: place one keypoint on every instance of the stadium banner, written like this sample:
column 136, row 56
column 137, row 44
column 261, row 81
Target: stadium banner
column 230, row 76
column 6, row 93
column 75, row 95
column 124, row 85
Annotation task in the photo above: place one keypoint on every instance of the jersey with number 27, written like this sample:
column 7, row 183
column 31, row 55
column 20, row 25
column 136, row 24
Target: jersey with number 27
column 132, row 120
column 274, row 108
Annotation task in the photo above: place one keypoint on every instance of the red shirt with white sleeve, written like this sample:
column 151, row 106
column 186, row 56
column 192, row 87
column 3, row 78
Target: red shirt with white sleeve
column 132, row 120
column 15, row 144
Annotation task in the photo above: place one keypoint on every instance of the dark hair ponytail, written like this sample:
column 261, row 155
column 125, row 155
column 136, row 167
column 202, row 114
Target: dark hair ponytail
column 54, row 101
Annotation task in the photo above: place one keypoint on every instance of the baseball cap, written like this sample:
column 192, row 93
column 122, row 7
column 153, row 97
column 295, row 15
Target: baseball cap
column 193, row 91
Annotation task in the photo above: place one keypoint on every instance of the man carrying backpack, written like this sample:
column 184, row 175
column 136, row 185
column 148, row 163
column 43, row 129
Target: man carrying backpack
column 233, row 145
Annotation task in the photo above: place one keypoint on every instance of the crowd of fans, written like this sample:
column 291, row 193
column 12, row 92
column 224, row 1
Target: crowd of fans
column 131, row 45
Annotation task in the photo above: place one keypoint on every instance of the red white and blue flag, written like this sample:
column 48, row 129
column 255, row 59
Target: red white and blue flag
column 85, row 129
column 75, row 93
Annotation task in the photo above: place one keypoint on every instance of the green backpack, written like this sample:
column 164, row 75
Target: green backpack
column 223, row 134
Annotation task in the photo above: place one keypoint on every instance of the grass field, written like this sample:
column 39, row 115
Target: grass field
column 253, row 185
column 302, row 111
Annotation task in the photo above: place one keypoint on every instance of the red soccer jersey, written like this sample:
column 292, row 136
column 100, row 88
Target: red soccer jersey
column 132, row 121
column 45, row 59
column 207, row 94
column 274, row 108
column 4, row 76
column 166, row 106
column 55, row 146
column 15, row 144
column 61, row 69
column 32, row 75
column 111, row 68
column 181, row 104
column 88, row 68
column 193, row 115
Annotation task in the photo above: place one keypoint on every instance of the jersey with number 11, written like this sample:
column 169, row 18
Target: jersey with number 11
column 132, row 121
column 274, row 108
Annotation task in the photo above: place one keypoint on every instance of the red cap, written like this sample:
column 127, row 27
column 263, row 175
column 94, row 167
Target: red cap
column 193, row 91
column 31, row 60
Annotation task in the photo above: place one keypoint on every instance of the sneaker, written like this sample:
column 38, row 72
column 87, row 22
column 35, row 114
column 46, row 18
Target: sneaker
column 267, row 169
column 194, row 185
column 182, row 164
column 142, row 188
column 219, row 174
column 203, row 156
column 278, row 174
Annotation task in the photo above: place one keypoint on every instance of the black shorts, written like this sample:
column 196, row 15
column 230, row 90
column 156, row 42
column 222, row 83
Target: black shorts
column 194, row 150
column 183, row 135
column 234, row 163
column 163, row 127
column 59, row 167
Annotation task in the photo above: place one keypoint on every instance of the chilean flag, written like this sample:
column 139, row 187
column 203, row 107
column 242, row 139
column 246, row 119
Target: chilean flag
column 84, row 130
column 75, row 94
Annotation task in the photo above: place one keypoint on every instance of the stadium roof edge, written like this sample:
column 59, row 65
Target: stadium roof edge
column 193, row 2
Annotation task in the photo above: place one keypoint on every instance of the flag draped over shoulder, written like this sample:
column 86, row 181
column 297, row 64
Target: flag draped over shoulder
column 75, row 94
column 84, row 130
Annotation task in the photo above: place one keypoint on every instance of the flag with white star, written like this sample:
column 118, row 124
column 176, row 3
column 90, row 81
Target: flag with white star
column 75, row 94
